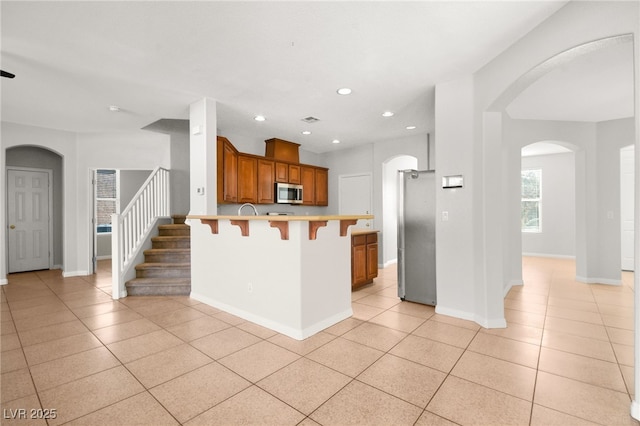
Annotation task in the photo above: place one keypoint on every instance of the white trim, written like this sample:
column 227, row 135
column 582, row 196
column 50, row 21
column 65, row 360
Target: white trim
column 389, row 263
column 510, row 285
column 634, row 410
column 49, row 173
column 549, row 255
column 4, row 281
column 606, row 281
column 483, row 322
column 57, row 267
column 75, row 274
column 294, row 333
column 105, row 257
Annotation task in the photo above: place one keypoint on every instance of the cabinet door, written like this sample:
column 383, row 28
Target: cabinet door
column 322, row 187
column 294, row 174
column 247, row 179
column 308, row 175
column 282, row 173
column 358, row 265
column 265, row 181
column 372, row 261
column 227, row 173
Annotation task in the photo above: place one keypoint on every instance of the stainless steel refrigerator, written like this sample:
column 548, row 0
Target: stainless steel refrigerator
column 417, row 236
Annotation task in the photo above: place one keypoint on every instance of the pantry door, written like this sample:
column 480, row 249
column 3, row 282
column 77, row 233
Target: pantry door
column 28, row 197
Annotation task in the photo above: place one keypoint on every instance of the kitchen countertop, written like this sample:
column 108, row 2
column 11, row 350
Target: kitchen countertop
column 287, row 218
column 360, row 231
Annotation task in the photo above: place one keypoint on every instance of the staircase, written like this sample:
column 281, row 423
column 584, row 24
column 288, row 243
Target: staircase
column 167, row 267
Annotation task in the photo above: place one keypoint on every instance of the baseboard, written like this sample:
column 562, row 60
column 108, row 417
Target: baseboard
column 75, row 274
column 108, row 256
column 551, row 256
column 634, row 410
column 390, row 262
column 510, row 285
column 483, row 322
column 294, row 333
column 4, row 281
column 605, row 281
column 56, row 267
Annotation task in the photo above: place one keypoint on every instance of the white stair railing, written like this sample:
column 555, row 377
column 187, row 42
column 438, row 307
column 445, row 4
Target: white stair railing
column 131, row 228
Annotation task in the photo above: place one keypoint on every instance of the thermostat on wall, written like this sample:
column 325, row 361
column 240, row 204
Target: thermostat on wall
column 455, row 181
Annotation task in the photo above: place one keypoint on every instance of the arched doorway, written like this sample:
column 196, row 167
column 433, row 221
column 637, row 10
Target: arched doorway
column 35, row 158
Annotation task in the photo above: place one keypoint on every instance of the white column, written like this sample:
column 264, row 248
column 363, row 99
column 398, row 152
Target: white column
column 635, row 405
column 202, row 142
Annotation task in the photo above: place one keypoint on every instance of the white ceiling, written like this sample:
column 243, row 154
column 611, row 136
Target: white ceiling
column 284, row 60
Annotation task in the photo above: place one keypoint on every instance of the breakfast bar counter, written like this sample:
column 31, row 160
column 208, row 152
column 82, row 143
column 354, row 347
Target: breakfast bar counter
column 291, row 274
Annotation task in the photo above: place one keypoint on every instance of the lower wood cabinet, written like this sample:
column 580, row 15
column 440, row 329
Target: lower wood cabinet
column 364, row 257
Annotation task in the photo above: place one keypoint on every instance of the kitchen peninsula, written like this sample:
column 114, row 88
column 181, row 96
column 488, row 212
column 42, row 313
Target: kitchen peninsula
column 291, row 274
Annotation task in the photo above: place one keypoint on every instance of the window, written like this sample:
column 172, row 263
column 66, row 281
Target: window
column 530, row 204
column 106, row 199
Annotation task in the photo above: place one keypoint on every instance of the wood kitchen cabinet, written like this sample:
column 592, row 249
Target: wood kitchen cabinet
column 295, row 174
column 287, row 173
column 308, row 180
column 281, row 172
column 247, row 179
column 322, row 187
column 227, row 171
column 266, row 171
column 364, row 257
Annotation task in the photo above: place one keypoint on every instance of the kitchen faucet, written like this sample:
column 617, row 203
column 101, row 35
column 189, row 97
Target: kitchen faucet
column 255, row 211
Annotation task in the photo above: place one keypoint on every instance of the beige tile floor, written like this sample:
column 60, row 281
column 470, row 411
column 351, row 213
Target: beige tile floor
column 566, row 358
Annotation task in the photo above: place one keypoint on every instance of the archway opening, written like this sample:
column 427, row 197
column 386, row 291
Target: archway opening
column 31, row 157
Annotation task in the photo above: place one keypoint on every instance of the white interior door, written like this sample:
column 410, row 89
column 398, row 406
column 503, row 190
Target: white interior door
column 355, row 196
column 627, row 167
column 28, row 219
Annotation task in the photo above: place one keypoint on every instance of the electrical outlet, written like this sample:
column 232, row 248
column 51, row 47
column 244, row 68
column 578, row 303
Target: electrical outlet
column 445, row 216
column 250, row 288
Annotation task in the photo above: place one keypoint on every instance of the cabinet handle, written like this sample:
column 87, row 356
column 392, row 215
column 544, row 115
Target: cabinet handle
column 12, row 227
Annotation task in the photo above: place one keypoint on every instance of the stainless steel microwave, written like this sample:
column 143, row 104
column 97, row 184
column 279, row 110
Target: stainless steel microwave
column 287, row 193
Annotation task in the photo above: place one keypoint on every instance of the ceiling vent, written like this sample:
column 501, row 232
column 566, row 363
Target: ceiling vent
column 310, row 120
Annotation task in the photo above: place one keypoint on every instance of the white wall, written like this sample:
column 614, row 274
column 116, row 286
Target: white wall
column 479, row 134
column 558, row 231
column 455, row 239
column 64, row 144
column 138, row 150
column 81, row 153
column 370, row 158
column 390, row 204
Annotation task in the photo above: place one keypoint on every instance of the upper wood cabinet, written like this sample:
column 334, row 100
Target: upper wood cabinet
column 308, row 177
column 282, row 172
column 265, row 181
column 247, row 179
column 227, row 173
column 322, row 187
column 294, row 174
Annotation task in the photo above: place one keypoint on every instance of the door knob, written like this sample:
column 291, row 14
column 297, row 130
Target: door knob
column 12, row 227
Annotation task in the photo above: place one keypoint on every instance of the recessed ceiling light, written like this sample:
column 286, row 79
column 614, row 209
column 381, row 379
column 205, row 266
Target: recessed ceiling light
column 335, row 141
column 387, row 114
column 306, row 132
column 259, row 118
column 114, row 108
column 344, row 91
column 410, row 127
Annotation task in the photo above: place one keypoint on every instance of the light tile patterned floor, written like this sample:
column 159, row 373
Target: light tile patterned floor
column 566, row 358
